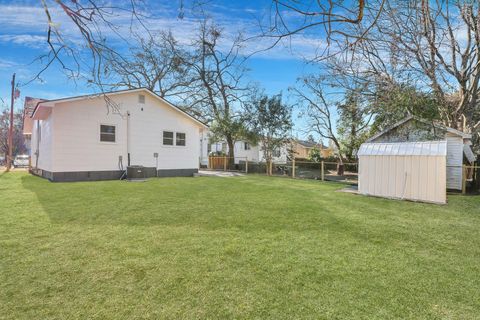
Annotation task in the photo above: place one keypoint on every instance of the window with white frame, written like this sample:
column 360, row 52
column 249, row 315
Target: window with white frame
column 107, row 133
column 168, row 138
column 246, row 146
column 141, row 98
column 180, row 139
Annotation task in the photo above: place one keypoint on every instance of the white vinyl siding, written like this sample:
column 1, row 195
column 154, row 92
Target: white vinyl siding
column 414, row 171
column 454, row 162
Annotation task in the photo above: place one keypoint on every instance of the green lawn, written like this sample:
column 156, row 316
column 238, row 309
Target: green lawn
column 223, row 248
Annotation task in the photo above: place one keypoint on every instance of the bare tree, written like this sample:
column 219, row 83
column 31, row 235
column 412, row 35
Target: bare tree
column 18, row 138
column 157, row 63
column 329, row 21
column 318, row 111
column 438, row 43
column 218, row 90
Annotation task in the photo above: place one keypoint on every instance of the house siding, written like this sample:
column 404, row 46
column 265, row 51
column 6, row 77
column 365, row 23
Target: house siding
column 43, row 147
column 454, row 162
column 76, row 152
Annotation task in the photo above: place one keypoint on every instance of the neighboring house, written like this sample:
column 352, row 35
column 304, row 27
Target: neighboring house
column 302, row 149
column 95, row 137
column 29, row 107
column 245, row 150
column 412, row 129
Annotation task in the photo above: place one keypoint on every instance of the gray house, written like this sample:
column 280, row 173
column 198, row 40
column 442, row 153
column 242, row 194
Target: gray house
column 412, row 129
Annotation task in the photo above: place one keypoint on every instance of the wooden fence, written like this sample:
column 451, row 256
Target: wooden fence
column 227, row 163
column 469, row 173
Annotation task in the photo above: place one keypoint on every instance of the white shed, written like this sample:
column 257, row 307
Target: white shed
column 404, row 170
column 412, row 129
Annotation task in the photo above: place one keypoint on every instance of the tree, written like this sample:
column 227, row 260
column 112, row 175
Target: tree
column 315, row 155
column 95, row 28
column 326, row 20
column 438, row 44
column 217, row 90
column 156, row 63
column 318, row 112
column 352, row 126
column 393, row 102
column 18, row 139
column 271, row 122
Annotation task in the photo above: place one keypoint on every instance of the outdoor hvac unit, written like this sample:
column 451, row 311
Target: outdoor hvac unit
column 136, row 172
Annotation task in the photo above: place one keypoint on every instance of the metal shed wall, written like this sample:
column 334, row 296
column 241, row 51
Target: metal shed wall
column 414, row 171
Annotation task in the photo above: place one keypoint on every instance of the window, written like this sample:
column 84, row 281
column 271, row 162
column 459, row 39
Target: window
column 209, row 148
column 246, row 146
column 141, row 98
column 167, row 138
column 276, row 152
column 107, row 133
column 180, row 139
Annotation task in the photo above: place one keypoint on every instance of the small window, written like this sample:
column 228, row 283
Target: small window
column 167, row 138
column 107, row 133
column 276, row 152
column 180, row 139
column 141, row 98
column 246, row 146
column 209, row 148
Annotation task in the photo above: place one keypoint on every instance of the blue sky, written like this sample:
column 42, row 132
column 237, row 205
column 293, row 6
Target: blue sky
column 23, row 38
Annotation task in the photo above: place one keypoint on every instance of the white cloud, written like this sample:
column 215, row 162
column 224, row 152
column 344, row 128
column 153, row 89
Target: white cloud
column 23, row 24
column 28, row 40
column 7, row 64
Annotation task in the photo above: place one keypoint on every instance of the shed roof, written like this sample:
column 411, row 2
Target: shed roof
column 425, row 148
column 434, row 124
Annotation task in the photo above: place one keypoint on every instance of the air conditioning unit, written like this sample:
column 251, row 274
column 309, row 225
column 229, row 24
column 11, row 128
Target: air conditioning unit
column 136, row 173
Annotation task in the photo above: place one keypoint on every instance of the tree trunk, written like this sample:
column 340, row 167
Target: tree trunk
column 231, row 152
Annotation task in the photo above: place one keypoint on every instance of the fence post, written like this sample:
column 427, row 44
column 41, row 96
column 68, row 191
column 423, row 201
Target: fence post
column 323, row 171
column 293, row 168
column 246, row 164
column 464, row 179
column 224, row 163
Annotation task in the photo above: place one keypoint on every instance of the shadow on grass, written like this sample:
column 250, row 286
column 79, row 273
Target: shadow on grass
column 250, row 206
column 200, row 203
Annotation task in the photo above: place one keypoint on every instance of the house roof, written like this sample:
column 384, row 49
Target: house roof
column 434, row 124
column 424, row 148
column 94, row 95
column 309, row 144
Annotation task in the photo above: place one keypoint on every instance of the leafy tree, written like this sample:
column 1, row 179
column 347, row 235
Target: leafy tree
column 315, row 155
column 352, row 124
column 271, row 122
column 392, row 102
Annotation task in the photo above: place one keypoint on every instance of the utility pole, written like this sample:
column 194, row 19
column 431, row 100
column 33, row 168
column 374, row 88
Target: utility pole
column 10, row 129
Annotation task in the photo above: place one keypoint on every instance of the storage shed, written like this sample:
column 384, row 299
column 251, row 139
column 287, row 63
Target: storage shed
column 404, row 170
column 413, row 129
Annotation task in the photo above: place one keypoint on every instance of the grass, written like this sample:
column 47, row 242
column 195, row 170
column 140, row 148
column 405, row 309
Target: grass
column 220, row 248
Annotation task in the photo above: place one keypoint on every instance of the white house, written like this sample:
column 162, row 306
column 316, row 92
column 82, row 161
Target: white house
column 412, row 129
column 95, row 137
column 244, row 150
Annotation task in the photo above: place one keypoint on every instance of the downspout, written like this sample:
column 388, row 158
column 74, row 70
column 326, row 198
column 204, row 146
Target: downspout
column 128, row 138
column 37, row 152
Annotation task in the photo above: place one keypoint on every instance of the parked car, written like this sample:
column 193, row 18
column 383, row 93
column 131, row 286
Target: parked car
column 21, row 160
